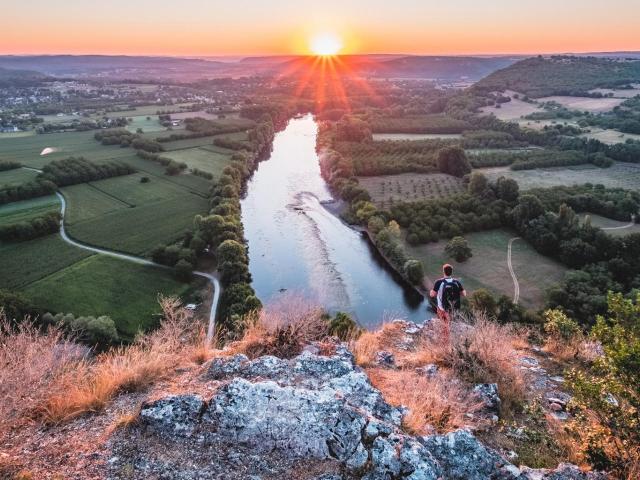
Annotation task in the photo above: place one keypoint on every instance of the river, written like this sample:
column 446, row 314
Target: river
column 296, row 246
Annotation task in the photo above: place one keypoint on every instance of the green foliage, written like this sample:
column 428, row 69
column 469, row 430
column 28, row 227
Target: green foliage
column 482, row 300
column 9, row 165
column 98, row 332
column 352, row 129
column 414, row 272
column 79, row 170
column 607, row 395
column 458, row 249
column 26, row 230
column 558, row 325
column 14, row 305
column 478, row 183
column 453, row 160
column 343, row 326
column 437, row 123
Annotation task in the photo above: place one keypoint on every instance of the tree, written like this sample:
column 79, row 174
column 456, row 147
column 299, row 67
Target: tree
column 343, row 326
column 458, row 249
column 507, row 189
column 528, row 208
column 453, row 160
column 414, row 271
column 183, row 270
column 478, row 183
column 482, row 300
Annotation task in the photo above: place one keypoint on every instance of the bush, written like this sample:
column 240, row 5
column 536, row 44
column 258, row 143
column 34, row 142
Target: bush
column 453, row 160
column 607, row 395
column 414, row 272
column 458, row 249
column 343, row 326
column 482, row 300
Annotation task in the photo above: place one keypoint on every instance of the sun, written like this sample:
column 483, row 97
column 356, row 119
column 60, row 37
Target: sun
column 325, row 44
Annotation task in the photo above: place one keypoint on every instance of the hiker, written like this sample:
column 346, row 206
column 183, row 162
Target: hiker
column 447, row 292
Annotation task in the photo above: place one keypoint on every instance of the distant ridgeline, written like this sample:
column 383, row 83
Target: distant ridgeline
column 562, row 75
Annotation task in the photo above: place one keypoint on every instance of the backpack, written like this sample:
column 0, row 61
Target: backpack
column 451, row 295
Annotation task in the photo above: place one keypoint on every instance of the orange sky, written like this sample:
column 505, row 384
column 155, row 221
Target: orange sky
column 245, row 27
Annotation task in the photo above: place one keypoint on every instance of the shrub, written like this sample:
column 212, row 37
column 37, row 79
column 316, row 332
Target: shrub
column 414, row 271
column 343, row 326
column 453, row 160
column 458, row 249
column 482, row 300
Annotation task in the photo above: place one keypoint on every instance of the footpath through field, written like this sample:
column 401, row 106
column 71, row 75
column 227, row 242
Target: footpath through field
column 140, row 261
column 516, row 285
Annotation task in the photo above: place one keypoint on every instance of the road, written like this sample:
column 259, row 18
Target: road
column 628, row 225
column 516, row 285
column 143, row 261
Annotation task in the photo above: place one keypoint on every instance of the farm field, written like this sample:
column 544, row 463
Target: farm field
column 26, row 150
column 414, row 136
column 152, row 124
column 130, row 190
column 85, row 202
column 614, row 227
column 201, row 158
column 27, row 209
column 138, row 230
column 26, row 262
column 540, row 124
column 101, row 285
column 585, row 104
column 488, row 266
column 513, row 110
column 623, row 175
column 146, row 110
column 16, row 176
column 8, row 135
column 410, row 187
column 609, row 136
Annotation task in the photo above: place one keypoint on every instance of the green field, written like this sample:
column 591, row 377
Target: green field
column 85, row 202
column 27, row 262
column 622, row 175
column 612, row 227
column 203, row 159
column 131, row 191
column 138, row 230
column 488, row 266
column 101, row 285
column 17, row 176
column 26, row 150
column 27, row 209
column 385, row 190
column 147, row 125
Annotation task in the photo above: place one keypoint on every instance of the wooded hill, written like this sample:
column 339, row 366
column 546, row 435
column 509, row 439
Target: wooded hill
column 562, row 75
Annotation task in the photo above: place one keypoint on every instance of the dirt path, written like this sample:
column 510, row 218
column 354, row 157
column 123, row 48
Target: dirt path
column 516, row 285
column 143, row 261
column 629, row 225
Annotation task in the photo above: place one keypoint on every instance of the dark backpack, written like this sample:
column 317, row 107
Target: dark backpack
column 451, row 295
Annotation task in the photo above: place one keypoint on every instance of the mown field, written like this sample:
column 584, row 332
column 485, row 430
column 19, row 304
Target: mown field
column 488, row 266
column 414, row 136
column 612, row 227
column 16, row 176
column 610, row 136
column 385, row 190
column 101, row 285
column 623, row 175
column 585, row 104
column 27, row 209
column 204, row 159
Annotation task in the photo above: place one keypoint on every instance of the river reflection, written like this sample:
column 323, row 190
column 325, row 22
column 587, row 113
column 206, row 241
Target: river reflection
column 297, row 246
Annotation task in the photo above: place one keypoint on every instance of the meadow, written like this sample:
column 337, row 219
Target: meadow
column 610, row 136
column 414, row 136
column 488, row 266
column 585, row 104
column 410, row 187
column 101, row 285
column 204, row 159
column 17, row 176
column 28, row 209
column 513, row 110
column 622, row 175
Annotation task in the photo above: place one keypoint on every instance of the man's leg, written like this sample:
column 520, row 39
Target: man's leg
column 443, row 315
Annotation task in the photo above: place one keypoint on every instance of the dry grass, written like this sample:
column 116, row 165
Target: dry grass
column 281, row 329
column 437, row 402
column 43, row 376
column 388, row 337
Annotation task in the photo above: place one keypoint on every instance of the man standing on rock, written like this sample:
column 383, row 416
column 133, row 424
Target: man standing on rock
column 448, row 292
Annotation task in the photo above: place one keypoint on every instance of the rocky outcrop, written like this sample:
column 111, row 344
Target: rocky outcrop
column 308, row 417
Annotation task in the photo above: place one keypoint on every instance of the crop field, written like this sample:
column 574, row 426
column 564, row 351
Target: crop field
column 434, row 123
column 414, row 136
column 131, row 191
column 101, row 285
column 613, row 227
column 138, row 230
column 16, row 176
column 187, row 143
column 585, row 104
column 9, row 135
column 27, row 209
column 541, row 124
column 85, row 202
column 201, row 158
column 623, row 175
column 26, row 150
column 385, row 190
column 27, row 262
column 488, row 266
column 609, row 136
column 146, row 110
column 148, row 123
column 513, row 110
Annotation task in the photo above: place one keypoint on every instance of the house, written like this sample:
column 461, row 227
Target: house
column 9, row 129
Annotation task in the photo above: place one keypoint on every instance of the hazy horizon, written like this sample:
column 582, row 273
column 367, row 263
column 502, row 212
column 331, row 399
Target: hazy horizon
column 195, row 28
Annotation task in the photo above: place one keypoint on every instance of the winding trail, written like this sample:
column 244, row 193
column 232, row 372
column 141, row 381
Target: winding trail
column 143, row 261
column 516, row 285
column 628, row 225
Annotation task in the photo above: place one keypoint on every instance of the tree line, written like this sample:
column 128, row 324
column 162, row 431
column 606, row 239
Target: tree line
column 74, row 170
column 27, row 230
